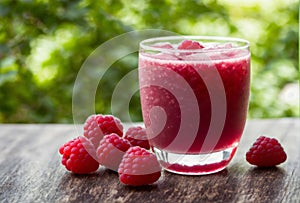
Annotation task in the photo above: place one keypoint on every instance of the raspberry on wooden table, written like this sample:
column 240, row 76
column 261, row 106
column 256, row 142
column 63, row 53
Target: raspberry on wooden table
column 266, row 152
column 139, row 167
column 96, row 126
column 76, row 158
column 111, row 150
column 137, row 137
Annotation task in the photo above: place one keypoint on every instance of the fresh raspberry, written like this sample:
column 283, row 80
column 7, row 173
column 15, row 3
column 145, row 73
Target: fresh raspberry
column 266, row 152
column 189, row 44
column 96, row 126
column 137, row 137
column 139, row 167
column 111, row 150
column 76, row 158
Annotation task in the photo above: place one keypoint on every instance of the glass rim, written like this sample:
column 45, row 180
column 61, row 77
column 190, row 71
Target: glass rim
column 143, row 44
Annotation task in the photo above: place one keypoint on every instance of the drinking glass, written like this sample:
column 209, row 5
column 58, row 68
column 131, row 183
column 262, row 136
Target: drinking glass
column 194, row 94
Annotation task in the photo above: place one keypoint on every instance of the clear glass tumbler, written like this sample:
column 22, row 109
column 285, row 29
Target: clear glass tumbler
column 194, row 95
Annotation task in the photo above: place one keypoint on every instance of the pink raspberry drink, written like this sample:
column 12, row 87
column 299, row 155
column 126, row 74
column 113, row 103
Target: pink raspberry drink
column 194, row 95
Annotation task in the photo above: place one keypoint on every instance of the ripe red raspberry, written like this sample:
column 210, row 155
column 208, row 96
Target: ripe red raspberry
column 137, row 137
column 96, row 126
column 76, row 158
column 189, row 44
column 266, row 152
column 111, row 150
column 139, row 167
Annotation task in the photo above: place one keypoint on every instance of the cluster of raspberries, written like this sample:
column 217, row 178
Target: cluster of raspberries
column 103, row 144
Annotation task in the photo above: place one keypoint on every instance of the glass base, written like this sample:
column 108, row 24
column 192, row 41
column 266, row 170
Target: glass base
column 195, row 164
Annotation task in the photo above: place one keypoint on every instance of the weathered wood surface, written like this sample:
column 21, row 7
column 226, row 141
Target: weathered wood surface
column 31, row 171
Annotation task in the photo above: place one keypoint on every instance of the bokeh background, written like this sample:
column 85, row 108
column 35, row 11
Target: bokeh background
column 43, row 44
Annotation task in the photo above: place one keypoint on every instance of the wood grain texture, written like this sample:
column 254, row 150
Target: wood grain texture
column 31, row 171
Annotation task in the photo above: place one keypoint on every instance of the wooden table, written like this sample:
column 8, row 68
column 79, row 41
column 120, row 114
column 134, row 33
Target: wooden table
column 31, row 171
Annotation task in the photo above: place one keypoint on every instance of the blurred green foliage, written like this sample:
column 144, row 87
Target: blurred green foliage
column 43, row 44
